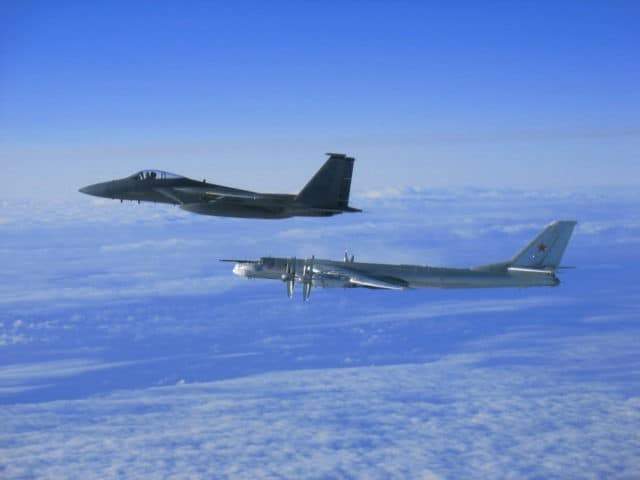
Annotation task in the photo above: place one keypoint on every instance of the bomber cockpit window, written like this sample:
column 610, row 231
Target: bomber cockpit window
column 154, row 175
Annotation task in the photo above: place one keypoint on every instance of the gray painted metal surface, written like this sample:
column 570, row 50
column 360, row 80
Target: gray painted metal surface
column 326, row 194
column 533, row 266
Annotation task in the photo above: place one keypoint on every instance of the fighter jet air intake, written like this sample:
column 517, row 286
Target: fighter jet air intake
column 534, row 266
column 326, row 194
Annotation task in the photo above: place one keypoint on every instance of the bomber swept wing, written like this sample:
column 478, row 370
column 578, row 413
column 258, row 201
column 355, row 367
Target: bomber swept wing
column 360, row 279
column 370, row 282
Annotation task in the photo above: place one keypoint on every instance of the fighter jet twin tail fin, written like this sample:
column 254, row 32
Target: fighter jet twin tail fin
column 329, row 188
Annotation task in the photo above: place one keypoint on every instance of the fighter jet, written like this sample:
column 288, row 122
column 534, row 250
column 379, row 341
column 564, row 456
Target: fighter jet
column 326, row 194
column 534, row 266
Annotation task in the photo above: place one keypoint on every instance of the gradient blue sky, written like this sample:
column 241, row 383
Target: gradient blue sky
column 253, row 93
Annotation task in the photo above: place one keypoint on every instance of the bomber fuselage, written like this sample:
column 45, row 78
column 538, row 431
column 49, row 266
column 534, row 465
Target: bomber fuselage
column 331, row 273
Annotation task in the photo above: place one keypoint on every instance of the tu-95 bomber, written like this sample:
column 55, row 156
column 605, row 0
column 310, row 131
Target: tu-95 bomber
column 326, row 194
column 534, row 266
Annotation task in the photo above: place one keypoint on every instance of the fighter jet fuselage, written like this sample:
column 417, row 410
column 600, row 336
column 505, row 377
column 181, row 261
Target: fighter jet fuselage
column 326, row 194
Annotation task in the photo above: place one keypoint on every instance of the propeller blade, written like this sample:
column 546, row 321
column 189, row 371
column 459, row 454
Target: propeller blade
column 307, row 279
column 306, row 291
column 289, row 276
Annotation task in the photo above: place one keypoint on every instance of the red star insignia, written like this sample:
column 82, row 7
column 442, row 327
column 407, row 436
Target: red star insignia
column 542, row 247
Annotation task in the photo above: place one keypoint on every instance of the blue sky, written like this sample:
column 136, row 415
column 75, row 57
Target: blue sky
column 128, row 350
column 253, row 94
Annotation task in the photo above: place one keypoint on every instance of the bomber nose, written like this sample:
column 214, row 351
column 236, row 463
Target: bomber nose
column 242, row 270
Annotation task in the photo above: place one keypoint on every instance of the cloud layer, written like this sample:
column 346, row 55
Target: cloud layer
column 128, row 350
column 451, row 418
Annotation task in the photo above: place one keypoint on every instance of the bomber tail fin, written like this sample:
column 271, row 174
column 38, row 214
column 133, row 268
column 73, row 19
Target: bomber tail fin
column 331, row 185
column 546, row 250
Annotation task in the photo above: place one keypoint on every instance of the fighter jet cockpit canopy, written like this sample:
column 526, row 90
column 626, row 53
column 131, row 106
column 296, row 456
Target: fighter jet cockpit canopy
column 155, row 175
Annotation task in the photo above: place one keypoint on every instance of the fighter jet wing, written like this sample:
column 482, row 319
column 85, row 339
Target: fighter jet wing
column 212, row 193
column 207, row 194
column 167, row 192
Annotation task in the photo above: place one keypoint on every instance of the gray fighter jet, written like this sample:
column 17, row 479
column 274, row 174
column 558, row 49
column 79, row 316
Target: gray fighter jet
column 326, row 194
column 534, row 266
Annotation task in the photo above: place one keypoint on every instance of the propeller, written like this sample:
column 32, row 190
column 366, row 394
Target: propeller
column 307, row 279
column 289, row 276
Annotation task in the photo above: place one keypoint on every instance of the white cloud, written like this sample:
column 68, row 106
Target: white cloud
column 29, row 372
column 19, row 378
column 452, row 418
column 164, row 244
column 12, row 339
column 612, row 317
column 384, row 193
column 170, row 287
column 600, row 226
column 14, row 389
column 431, row 310
column 323, row 231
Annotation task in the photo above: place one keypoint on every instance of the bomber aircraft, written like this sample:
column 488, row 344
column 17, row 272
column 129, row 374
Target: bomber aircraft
column 326, row 194
column 534, row 266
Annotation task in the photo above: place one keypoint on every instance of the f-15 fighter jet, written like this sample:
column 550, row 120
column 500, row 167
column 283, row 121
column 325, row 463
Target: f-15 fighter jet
column 534, row 266
column 326, row 194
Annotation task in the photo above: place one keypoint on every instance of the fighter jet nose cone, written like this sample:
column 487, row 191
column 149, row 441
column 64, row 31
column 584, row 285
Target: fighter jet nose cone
column 103, row 190
column 89, row 190
column 97, row 190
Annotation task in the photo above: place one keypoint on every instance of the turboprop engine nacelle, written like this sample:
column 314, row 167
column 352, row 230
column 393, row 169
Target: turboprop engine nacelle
column 326, row 281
